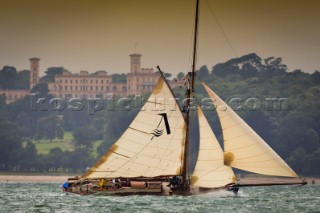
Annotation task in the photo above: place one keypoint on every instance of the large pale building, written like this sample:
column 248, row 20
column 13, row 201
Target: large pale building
column 91, row 85
column 100, row 85
column 82, row 85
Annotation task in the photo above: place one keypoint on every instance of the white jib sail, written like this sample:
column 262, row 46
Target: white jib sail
column 243, row 148
column 152, row 145
column 210, row 171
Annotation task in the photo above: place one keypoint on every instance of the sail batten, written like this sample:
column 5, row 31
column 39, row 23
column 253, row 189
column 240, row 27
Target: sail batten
column 153, row 143
column 243, row 148
column 210, row 171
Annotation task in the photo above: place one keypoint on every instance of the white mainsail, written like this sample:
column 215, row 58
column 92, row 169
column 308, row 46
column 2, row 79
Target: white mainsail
column 210, row 171
column 243, row 148
column 152, row 145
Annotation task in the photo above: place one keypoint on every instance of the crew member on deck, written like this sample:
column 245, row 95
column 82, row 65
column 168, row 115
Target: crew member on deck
column 65, row 186
column 173, row 182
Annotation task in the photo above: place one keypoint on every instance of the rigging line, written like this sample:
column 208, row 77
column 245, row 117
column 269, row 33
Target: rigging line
column 120, row 154
column 224, row 34
column 138, row 130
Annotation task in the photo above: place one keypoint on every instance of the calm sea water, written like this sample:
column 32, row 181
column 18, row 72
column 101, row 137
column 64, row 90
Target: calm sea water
column 47, row 197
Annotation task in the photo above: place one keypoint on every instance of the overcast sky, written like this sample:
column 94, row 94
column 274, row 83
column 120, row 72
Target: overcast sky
column 100, row 34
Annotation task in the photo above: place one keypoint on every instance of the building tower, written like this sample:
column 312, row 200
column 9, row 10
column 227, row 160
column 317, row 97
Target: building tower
column 34, row 71
column 135, row 63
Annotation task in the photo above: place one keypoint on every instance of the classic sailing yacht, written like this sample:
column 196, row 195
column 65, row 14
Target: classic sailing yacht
column 152, row 156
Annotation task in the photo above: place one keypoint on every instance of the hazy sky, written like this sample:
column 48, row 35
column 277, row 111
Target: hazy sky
column 100, row 34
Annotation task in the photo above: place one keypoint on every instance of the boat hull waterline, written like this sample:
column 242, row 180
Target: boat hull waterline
column 161, row 189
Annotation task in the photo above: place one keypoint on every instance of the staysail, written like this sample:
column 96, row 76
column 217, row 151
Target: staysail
column 210, row 171
column 243, row 148
column 152, row 145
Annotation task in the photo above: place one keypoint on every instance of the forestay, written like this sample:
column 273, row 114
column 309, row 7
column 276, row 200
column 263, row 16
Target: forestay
column 210, row 171
column 243, row 148
column 153, row 143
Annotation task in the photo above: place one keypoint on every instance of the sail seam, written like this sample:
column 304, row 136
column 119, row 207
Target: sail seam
column 230, row 139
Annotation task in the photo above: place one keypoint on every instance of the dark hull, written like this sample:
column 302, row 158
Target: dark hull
column 164, row 190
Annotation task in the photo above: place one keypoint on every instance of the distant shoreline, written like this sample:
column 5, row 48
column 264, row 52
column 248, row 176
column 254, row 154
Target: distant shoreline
column 62, row 178
column 33, row 179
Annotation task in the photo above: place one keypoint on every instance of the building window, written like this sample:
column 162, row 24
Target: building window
column 91, row 81
column 77, row 88
column 101, row 81
column 107, row 88
column 101, row 88
column 66, row 88
column 76, row 81
column 71, row 81
column 97, row 88
column 137, row 79
column 96, row 81
column 91, row 88
column 66, row 81
column 107, row 81
column 71, row 88
column 60, row 87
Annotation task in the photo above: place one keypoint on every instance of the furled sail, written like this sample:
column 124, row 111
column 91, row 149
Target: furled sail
column 152, row 145
column 210, row 171
column 243, row 148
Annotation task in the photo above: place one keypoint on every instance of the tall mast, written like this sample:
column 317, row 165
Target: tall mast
column 185, row 170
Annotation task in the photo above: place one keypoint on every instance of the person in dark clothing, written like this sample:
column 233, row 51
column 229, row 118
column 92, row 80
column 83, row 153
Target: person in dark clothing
column 174, row 182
